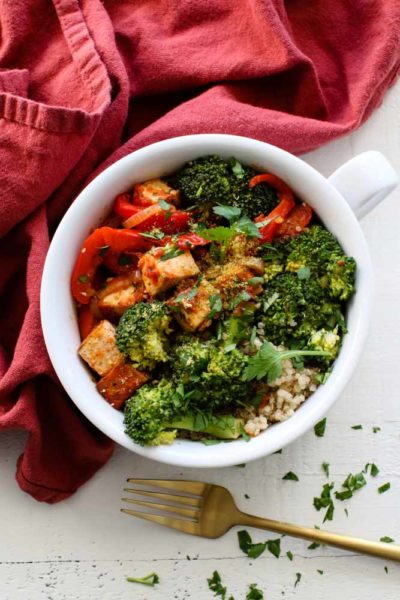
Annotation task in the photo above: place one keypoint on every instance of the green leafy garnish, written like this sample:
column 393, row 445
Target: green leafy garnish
column 267, row 362
column 320, row 572
column 356, row 427
column 231, row 213
column 319, row 428
column 172, row 253
column 373, row 469
column 254, row 593
column 376, row 429
column 325, row 467
column 255, row 550
column 289, row 555
column 313, row 546
column 351, row 484
column 290, row 476
column 298, row 577
column 83, row 278
column 384, row 488
column 215, row 585
column 386, row 539
column 151, row 579
column 246, row 226
column 237, row 168
column 215, row 305
column 325, row 501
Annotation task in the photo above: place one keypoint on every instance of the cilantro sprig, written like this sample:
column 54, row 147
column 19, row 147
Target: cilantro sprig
column 267, row 362
column 255, row 550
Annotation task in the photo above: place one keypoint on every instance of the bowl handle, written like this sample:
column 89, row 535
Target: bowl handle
column 364, row 181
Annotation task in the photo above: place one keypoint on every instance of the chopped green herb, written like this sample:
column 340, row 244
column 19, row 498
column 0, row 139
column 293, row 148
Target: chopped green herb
column 255, row 280
column 350, row 485
column 267, row 362
column 215, row 305
column 386, row 569
column 346, row 512
column 325, row 501
column 278, row 451
column 384, row 488
column 215, row 585
column 83, row 278
column 290, row 476
column 153, row 235
column 248, row 227
column 241, row 466
column 376, row 429
column 313, row 546
column 254, row 593
column 319, row 428
column 103, row 250
column 237, row 168
column 373, row 469
column 247, row 497
column 320, row 572
column 386, row 539
column 304, row 273
column 325, row 467
column 289, row 555
column 255, row 550
column 357, row 427
column 172, row 253
column 151, row 579
column 298, row 577
column 243, row 296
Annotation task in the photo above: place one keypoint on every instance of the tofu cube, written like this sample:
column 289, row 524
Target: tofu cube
column 118, row 296
column 159, row 275
column 192, row 313
column 120, row 383
column 99, row 349
column 154, row 190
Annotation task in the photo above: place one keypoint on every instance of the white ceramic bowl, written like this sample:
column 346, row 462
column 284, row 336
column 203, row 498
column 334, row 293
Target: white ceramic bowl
column 364, row 181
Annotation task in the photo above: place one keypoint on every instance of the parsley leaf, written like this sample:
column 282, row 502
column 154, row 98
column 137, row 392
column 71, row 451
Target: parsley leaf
column 267, row 362
column 386, row 539
column 255, row 550
column 290, row 476
column 313, row 546
column 298, row 577
column 231, row 213
column 320, row 572
column 254, row 593
column 151, row 579
column 246, row 226
column 325, row 501
column 289, row 555
column 215, row 585
column 376, row 429
column 357, row 427
column 215, row 305
column 172, row 253
column 319, row 428
column 325, row 467
column 384, row 488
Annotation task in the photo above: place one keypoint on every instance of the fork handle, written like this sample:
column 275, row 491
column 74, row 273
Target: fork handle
column 379, row 549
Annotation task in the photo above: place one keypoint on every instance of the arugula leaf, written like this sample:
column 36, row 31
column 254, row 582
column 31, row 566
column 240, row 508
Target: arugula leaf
column 151, row 579
column 386, row 539
column 319, row 428
column 254, row 593
column 384, row 488
column 267, row 362
column 290, row 476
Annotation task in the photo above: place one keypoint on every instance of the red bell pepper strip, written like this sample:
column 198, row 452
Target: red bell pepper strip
column 86, row 321
column 124, row 207
column 276, row 217
column 190, row 240
column 297, row 220
column 142, row 216
column 156, row 217
column 92, row 252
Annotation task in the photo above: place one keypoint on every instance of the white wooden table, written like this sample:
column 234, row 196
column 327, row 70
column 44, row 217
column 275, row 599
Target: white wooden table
column 83, row 548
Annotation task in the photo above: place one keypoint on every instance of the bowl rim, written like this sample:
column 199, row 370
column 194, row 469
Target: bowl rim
column 237, row 451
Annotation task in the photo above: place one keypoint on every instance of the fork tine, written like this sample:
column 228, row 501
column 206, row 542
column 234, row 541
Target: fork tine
column 184, row 512
column 180, row 524
column 169, row 497
column 192, row 487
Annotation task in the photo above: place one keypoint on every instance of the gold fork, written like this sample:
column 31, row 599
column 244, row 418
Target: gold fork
column 210, row 511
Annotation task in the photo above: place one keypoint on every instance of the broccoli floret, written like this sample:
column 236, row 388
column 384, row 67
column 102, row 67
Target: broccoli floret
column 293, row 308
column 211, row 376
column 210, row 180
column 326, row 340
column 156, row 411
column 319, row 250
column 142, row 334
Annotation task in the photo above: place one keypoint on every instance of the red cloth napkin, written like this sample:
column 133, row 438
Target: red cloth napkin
column 86, row 82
